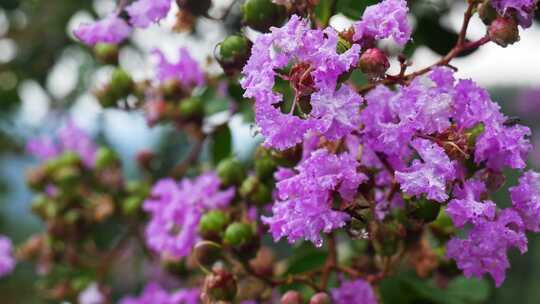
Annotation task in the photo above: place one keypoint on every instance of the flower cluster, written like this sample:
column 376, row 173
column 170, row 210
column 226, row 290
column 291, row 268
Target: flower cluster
column 7, row 260
column 304, row 206
column 358, row 291
column 186, row 70
column 314, row 66
column 176, row 209
column 384, row 20
column 70, row 139
column 113, row 29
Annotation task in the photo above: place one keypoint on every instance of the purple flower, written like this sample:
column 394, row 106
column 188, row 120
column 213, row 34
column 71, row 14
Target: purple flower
column 155, row 294
column 501, row 146
column 175, row 211
column 485, row 249
column 145, row 12
column 74, row 139
column 112, row 29
column 91, row 295
column 467, row 206
column 70, row 138
column 358, row 291
column 186, row 70
column 526, row 199
column 42, row 148
column 522, row 9
column 316, row 67
column 430, row 176
column 7, row 260
column 384, row 20
column 303, row 209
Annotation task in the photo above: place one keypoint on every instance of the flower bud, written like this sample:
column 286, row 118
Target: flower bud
column 238, row 234
column 220, row 285
column 106, row 158
column 292, row 297
column 106, row 97
column 265, row 166
column 207, row 253
column 486, row 12
column 36, row 178
column 504, row 31
column 212, row 224
column 121, row 83
column 66, row 177
column 234, row 52
column 262, row 14
column 106, row 53
column 374, row 63
column 320, row 298
column 131, row 204
column 191, row 109
column 231, row 172
column 424, row 209
column 254, row 191
column 195, row 7
column 146, row 159
column 263, row 263
column 172, row 89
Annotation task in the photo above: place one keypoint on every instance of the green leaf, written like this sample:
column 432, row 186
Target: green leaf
column 470, row 290
column 438, row 38
column 221, row 144
column 306, row 258
column 353, row 9
column 323, row 11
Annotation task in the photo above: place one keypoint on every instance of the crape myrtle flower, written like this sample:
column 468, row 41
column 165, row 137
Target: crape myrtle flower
column 467, row 207
column 358, row 291
column 303, row 208
column 526, row 199
column 7, row 260
column 70, row 138
column 433, row 103
column 387, row 19
column 315, row 67
column 111, row 29
column 523, row 10
column 155, row 294
column 176, row 209
column 429, row 176
column 143, row 13
column 185, row 70
column 485, row 249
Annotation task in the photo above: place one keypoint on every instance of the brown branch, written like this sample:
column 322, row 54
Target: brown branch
column 331, row 261
column 461, row 46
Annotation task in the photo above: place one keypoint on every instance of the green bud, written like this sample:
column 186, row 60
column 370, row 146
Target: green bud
column 121, row 83
column 425, row 209
column 132, row 204
column 172, row 88
column 213, row 223
column 254, row 191
column 234, row 46
column 231, row 172
column 72, row 216
column 487, row 12
column 106, row 53
column 265, row 166
column 66, row 177
column 262, row 14
column 207, row 254
column 106, row 97
column 238, row 234
column 106, row 158
column 191, row 108
column 443, row 223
